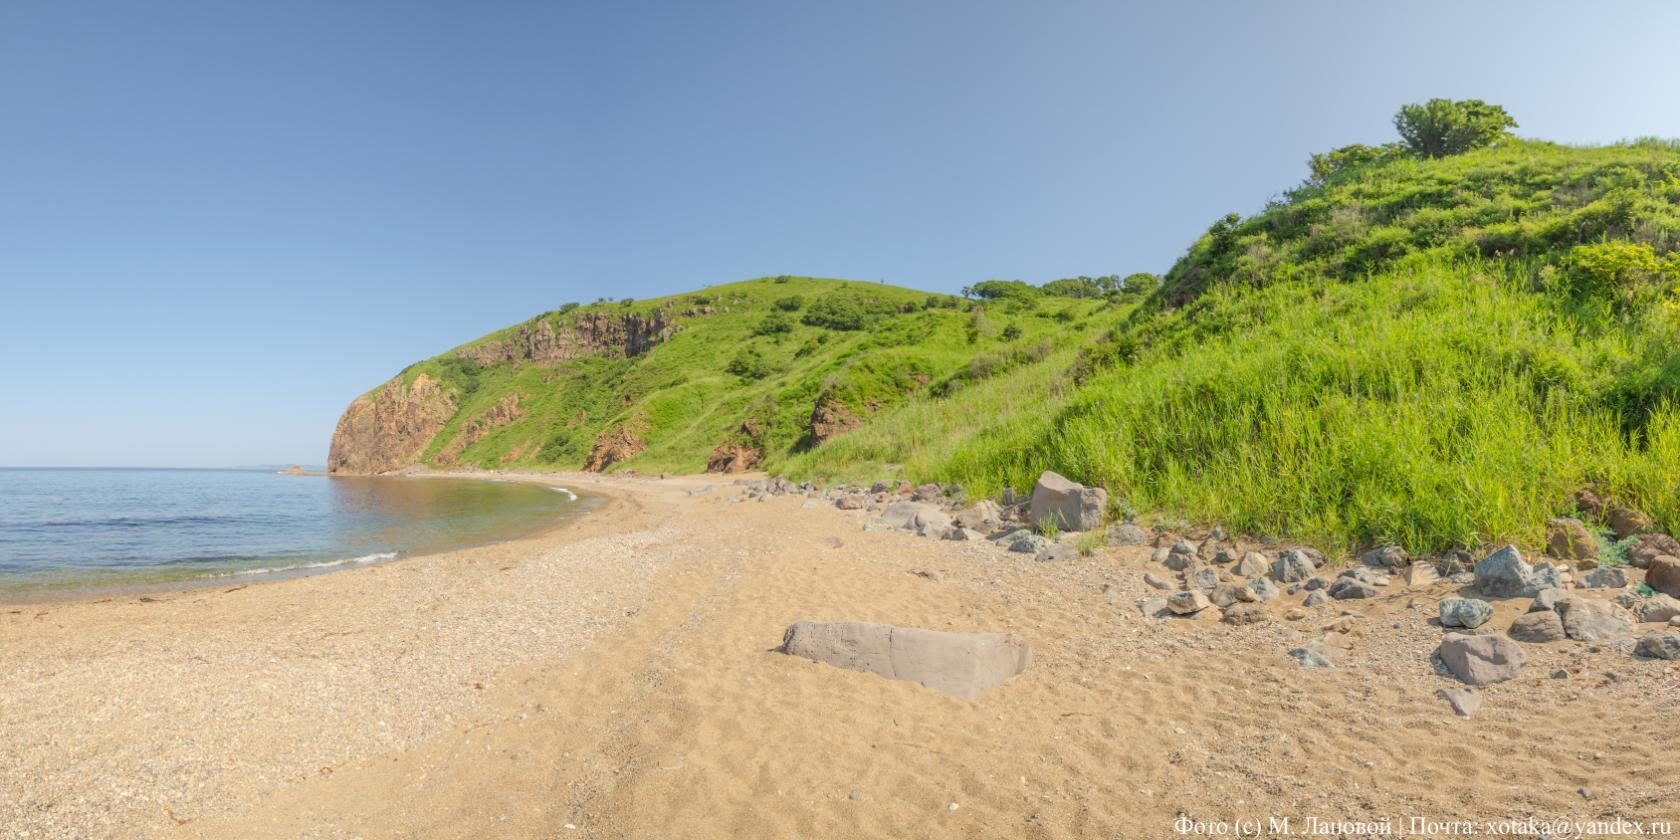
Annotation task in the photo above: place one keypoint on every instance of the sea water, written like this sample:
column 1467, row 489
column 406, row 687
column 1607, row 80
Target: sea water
column 67, row 529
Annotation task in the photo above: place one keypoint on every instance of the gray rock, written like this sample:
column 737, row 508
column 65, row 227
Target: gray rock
column 850, row 503
column 914, row 516
column 959, row 664
column 1263, row 589
column 1161, row 555
column 1657, row 609
column 1546, row 599
column 1586, row 620
column 1187, row 602
column 1314, row 584
column 1465, row 612
column 1504, row 574
column 1651, row 546
column 1349, row 588
column 1179, row 561
column 980, row 515
column 1252, row 565
column 1538, row 628
column 1366, row 575
column 1315, row 599
column 1387, row 557
column 1605, row 578
column 961, row 534
column 1659, row 645
column 1155, row 581
column 1463, row 579
column 1311, row 656
column 1069, row 505
column 1028, row 543
column 926, row 493
column 1481, row 660
column 1154, row 607
column 1127, row 534
column 1244, row 614
column 1464, row 701
column 1292, row 566
column 1057, row 554
column 1203, row 578
column 1225, row 594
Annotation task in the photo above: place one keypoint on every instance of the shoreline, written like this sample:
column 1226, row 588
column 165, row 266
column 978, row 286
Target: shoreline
column 616, row 677
column 44, row 594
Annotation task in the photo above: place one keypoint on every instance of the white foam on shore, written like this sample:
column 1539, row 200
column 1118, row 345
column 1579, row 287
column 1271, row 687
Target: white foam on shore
column 323, row 564
column 569, row 494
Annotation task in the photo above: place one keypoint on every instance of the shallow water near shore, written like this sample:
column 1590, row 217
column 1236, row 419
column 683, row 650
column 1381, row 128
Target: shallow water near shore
column 67, row 530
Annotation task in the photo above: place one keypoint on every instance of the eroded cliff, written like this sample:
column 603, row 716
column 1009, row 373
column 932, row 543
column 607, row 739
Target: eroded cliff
column 389, row 428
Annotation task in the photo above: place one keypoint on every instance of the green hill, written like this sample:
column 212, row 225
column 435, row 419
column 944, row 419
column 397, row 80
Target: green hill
column 1428, row 351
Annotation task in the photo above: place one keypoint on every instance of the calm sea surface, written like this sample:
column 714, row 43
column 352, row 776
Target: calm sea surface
column 74, row 528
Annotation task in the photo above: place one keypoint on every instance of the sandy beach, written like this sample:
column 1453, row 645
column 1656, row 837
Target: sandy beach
column 614, row 678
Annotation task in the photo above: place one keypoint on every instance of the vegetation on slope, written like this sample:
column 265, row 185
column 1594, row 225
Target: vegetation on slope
column 1405, row 349
column 1430, row 343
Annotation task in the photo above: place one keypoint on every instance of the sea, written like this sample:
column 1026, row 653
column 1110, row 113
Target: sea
column 63, row 531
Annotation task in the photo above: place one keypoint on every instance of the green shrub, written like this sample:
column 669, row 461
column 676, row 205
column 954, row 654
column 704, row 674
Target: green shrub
column 791, row 303
column 776, row 323
column 750, row 365
column 1442, row 127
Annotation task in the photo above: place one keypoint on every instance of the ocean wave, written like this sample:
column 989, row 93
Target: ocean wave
column 319, row 564
column 569, row 494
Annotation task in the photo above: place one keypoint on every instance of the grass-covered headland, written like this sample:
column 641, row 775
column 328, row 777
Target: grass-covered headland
column 1429, row 343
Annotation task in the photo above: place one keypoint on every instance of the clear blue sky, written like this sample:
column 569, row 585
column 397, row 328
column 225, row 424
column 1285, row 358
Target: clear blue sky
column 221, row 221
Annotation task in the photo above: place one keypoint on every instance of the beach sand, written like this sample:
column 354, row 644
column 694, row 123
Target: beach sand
column 615, row 678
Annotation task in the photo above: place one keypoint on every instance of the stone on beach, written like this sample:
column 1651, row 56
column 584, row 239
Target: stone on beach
column 963, row 665
column 1468, row 613
column 1505, row 574
column 1067, row 504
column 1481, row 660
column 1591, row 621
column 1538, row 627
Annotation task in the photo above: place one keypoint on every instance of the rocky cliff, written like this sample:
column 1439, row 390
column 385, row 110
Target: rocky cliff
column 587, row 334
column 389, row 428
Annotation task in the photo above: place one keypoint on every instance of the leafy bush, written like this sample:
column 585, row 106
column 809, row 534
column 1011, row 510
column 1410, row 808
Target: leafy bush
column 776, row 323
column 1011, row 332
column 846, row 312
column 1002, row 290
column 1442, row 127
column 791, row 303
column 750, row 365
column 1327, row 164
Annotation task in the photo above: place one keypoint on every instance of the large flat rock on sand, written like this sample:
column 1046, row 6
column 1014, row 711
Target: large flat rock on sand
column 959, row 664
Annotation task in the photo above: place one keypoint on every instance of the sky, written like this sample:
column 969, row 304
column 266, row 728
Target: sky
column 220, row 222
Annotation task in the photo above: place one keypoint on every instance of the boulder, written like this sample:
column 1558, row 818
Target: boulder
column 1156, row 607
column 1348, row 588
column 959, row 664
column 1627, row 522
column 1468, row 613
column 1570, row 540
column 1315, row 599
column 1387, row 557
column 1057, row 554
column 1292, row 566
column 1155, row 581
column 1659, row 645
column 1243, row 614
column 1546, row 599
column 981, row 515
column 1651, row 546
column 1225, row 594
column 1481, row 660
column 850, row 502
column 1664, row 576
column 1657, row 609
column 1538, row 628
column 1026, row 542
column 1263, row 589
column 961, row 534
column 1252, row 565
column 1587, row 502
column 913, row 516
column 1127, row 533
column 1067, row 504
column 1464, row 701
column 1203, row 578
column 1587, row 620
column 1187, row 602
column 1504, row 574
column 1608, row 577
column 926, row 493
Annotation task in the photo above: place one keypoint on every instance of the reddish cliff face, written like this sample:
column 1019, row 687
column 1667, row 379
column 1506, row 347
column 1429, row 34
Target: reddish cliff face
column 589, row 334
column 390, row 429
column 503, row 413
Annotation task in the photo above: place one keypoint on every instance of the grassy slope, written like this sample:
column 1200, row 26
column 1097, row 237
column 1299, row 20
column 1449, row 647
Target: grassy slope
column 1423, row 352
column 681, row 400
column 1404, row 354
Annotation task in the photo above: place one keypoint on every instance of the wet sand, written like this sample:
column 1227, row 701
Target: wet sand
column 614, row 678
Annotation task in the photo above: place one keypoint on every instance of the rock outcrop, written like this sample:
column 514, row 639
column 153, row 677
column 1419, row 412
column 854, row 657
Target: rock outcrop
column 389, row 428
column 740, row 452
column 587, row 334
column 611, row 447
column 831, row 418
column 503, row 413
column 1066, row 504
